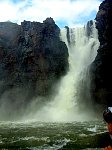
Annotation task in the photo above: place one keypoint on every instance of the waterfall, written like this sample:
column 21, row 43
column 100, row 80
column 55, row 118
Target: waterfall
column 82, row 45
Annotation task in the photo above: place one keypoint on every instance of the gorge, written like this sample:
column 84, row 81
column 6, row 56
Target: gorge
column 54, row 74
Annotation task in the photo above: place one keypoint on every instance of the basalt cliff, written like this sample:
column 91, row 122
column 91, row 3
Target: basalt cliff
column 32, row 60
column 101, row 71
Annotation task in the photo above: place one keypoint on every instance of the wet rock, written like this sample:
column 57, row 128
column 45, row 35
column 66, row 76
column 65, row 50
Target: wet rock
column 89, row 28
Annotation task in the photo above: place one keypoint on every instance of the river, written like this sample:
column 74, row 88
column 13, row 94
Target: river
column 50, row 135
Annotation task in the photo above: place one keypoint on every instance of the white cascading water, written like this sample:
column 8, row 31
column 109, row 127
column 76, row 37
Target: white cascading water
column 82, row 51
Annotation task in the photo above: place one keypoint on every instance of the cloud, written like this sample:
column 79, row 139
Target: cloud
column 66, row 11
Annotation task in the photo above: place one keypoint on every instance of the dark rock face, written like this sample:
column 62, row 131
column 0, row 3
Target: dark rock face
column 68, row 34
column 104, row 22
column 89, row 28
column 101, row 86
column 32, row 58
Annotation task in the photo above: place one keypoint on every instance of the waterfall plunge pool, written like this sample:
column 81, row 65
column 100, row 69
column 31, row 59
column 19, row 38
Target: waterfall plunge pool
column 51, row 136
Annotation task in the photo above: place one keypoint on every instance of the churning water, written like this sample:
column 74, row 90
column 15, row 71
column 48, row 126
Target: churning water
column 50, row 136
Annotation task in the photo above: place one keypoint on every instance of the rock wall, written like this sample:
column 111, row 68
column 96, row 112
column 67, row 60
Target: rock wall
column 32, row 59
column 101, row 68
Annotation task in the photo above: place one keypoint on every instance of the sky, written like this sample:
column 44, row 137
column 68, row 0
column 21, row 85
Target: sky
column 65, row 12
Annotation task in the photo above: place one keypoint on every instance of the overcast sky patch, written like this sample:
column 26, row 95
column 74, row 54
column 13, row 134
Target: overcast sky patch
column 64, row 12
